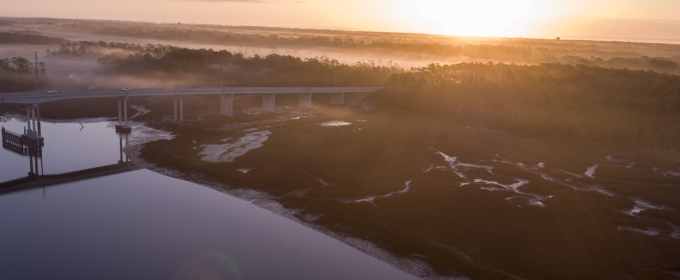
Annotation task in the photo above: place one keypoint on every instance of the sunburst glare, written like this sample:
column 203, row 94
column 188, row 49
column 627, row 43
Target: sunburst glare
column 472, row 18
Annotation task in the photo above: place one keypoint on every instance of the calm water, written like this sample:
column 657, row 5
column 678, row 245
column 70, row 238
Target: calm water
column 143, row 225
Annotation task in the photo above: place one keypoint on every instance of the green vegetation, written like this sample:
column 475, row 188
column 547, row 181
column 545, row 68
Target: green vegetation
column 412, row 47
column 637, row 56
column 83, row 48
column 557, row 167
column 550, row 100
column 18, row 74
column 205, row 67
column 28, row 37
column 481, row 230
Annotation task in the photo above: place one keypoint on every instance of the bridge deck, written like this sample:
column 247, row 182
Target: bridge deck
column 36, row 97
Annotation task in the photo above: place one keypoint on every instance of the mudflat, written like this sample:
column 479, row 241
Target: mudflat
column 463, row 198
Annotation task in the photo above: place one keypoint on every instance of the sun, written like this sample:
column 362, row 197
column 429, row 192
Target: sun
column 472, row 17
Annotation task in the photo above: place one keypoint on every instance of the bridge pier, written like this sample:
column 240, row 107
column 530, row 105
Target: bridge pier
column 120, row 142
column 120, row 114
column 338, row 98
column 181, row 108
column 175, row 100
column 268, row 102
column 33, row 119
column 305, row 100
column 28, row 119
column 227, row 104
column 125, row 109
column 35, row 162
column 123, row 116
column 37, row 107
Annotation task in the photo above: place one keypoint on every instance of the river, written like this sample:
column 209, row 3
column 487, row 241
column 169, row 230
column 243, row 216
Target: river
column 144, row 225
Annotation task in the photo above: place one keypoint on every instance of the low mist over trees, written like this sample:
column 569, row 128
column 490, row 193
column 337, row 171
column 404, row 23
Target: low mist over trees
column 510, row 50
column 621, row 92
column 84, row 48
column 550, row 100
column 579, row 102
column 206, row 68
column 18, row 74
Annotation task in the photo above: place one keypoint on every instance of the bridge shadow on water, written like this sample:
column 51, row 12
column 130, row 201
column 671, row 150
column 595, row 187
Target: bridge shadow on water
column 30, row 144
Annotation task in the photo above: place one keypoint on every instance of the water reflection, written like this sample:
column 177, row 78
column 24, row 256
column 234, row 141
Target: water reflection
column 109, row 219
column 30, row 145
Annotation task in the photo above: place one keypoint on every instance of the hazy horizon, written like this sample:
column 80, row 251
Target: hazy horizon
column 649, row 21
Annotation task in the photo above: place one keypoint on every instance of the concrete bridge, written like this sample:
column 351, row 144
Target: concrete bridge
column 32, row 99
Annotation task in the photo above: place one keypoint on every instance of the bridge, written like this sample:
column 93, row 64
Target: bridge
column 32, row 99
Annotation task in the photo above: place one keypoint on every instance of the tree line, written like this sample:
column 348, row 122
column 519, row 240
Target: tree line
column 526, row 51
column 18, row 74
column 584, row 103
column 580, row 102
column 550, row 100
column 88, row 48
column 28, row 37
column 209, row 67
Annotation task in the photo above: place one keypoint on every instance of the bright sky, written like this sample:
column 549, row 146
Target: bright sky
column 652, row 19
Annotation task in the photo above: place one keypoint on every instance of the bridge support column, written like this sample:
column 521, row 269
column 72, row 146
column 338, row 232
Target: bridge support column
column 306, row 100
column 33, row 119
column 120, row 113
column 28, row 118
column 35, row 162
column 175, row 99
column 120, row 150
column 338, row 98
column 227, row 104
column 125, row 110
column 181, row 108
column 37, row 108
column 123, row 116
column 268, row 102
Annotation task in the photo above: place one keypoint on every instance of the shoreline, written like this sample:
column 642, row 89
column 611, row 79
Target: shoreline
column 265, row 201
column 413, row 267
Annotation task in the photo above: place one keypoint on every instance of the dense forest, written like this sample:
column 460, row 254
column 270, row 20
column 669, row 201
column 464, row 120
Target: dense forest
column 550, row 100
column 580, row 102
column 623, row 55
column 85, row 48
column 209, row 67
column 543, row 51
column 28, row 37
column 583, row 90
column 490, row 52
column 18, row 74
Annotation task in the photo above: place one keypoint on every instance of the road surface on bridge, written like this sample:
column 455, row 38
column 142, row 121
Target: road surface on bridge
column 36, row 97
